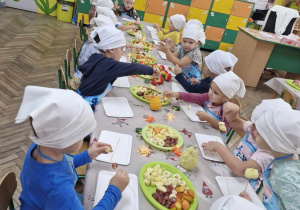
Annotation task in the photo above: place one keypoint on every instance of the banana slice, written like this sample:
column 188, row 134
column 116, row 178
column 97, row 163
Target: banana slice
column 166, row 174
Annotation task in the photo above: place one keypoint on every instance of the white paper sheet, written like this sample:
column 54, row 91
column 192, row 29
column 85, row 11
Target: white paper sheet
column 150, row 28
column 121, row 152
column 130, row 199
column 176, row 87
column 236, row 185
column 154, row 35
column 117, row 107
column 122, row 82
column 191, row 113
column 201, row 138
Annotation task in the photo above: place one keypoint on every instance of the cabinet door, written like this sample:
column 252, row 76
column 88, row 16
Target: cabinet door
column 234, row 22
column 151, row 18
column 184, row 2
column 178, row 9
column 199, row 14
column 202, row 4
column 140, row 5
column 241, row 9
column 229, row 36
column 214, row 33
column 222, row 6
column 157, row 7
column 217, row 19
column 211, row 45
column 140, row 14
column 225, row 46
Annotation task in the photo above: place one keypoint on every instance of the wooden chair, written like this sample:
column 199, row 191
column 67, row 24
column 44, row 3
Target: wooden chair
column 231, row 132
column 8, row 186
column 81, row 22
column 61, row 79
column 288, row 97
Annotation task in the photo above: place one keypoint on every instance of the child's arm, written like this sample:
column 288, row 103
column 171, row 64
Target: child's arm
column 204, row 116
column 231, row 111
column 126, row 28
column 172, row 58
column 194, row 98
column 235, row 164
column 175, row 36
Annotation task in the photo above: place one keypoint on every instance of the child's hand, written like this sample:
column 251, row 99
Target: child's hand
column 203, row 116
column 231, row 111
column 120, row 180
column 170, row 43
column 138, row 22
column 133, row 27
column 168, row 93
column 129, row 45
column 97, row 148
column 156, row 26
column 211, row 146
column 162, row 47
column 194, row 81
column 177, row 69
column 156, row 73
column 245, row 195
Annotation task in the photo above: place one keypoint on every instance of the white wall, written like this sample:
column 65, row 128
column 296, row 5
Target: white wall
column 28, row 5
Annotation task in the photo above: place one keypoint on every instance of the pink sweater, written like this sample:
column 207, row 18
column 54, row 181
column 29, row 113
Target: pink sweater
column 201, row 99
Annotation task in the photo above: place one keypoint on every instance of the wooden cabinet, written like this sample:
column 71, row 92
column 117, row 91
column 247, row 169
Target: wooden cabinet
column 213, row 33
column 217, row 19
column 201, row 4
column 140, row 5
column 234, row 22
column 241, row 9
column 175, row 8
column 157, row 7
column 199, row 14
column 151, row 18
column 222, row 6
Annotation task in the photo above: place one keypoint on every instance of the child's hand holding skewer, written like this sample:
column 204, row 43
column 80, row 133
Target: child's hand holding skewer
column 211, row 146
column 120, row 180
column 169, row 94
column 203, row 116
column 98, row 148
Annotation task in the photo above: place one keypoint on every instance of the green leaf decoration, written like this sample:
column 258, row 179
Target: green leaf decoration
column 43, row 5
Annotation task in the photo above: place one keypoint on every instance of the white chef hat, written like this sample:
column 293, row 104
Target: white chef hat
column 102, row 20
column 107, row 12
column 193, row 29
column 233, row 202
column 230, row 84
column 218, row 60
column 178, row 21
column 110, row 38
column 268, row 104
column 280, row 130
column 60, row 117
column 103, row 3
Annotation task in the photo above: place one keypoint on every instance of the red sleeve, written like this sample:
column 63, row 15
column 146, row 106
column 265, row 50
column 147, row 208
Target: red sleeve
column 194, row 98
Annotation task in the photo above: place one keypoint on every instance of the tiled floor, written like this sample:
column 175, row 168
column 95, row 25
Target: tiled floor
column 32, row 47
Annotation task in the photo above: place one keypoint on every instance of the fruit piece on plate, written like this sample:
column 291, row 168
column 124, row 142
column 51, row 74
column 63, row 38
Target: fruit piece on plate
column 191, row 193
column 185, row 205
column 147, row 182
column 162, row 188
column 149, row 170
column 188, row 197
column 146, row 175
column 166, row 174
column 180, row 189
column 153, row 183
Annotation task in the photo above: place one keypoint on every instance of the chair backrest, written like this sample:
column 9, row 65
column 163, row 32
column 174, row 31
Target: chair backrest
column 8, row 186
column 269, row 25
column 288, row 97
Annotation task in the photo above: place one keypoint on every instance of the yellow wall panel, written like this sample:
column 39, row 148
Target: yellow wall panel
column 224, row 46
column 151, row 18
column 234, row 22
column 223, row 6
column 85, row 18
column 140, row 5
column 199, row 14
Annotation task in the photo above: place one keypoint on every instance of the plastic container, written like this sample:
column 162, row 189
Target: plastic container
column 65, row 10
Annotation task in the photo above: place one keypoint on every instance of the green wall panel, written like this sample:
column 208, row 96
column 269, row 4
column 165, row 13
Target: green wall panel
column 217, row 19
column 211, row 45
column 141, row 14
column 229, row 36
column 184, row 2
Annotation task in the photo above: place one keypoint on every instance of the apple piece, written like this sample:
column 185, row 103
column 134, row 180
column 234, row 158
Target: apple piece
column 158, row 179
column 185, row 205
column 172, row 206
column 188, row 197
column 149, row 170
column 146, row 175
column 156, row 167
column 191, row 193
column 107, row 149
column 154, row 174
column 153, row 184
column 147, row 182
column 160, row 171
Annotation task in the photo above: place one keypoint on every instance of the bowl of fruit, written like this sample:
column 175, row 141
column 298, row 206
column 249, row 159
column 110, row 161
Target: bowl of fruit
column 146, row 46
column 162, row 137
column 140, row 26
column 294, row 83
column 146, row 94
column 165, row 187
column 143, row 58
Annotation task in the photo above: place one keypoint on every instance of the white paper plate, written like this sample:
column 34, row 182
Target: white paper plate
column 176, row 87
column 162, row 55
column 191, row 113
column 116, row 107
column 122, row 82
column 122, row 152
column 201, row 138
column 237, row 185
column 150, row 28
column 129, row 200
column 154, row 35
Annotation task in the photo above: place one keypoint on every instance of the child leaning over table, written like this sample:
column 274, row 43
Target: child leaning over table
column 101, row 70
column 127, row 10
column 223, row 88
column 217, row 62
column 188, row 55
column 60, row 119
column 176, row 24
column 278, row 132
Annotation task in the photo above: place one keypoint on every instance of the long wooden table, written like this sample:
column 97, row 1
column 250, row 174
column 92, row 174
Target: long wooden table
column 257, row 50
column 203, row 177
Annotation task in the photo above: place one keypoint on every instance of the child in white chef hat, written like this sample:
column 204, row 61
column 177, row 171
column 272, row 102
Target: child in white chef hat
column 217, row 62
column 188, row 55
column 176, row 24
column 60, row 119
column 223, row 88
column 278, row 132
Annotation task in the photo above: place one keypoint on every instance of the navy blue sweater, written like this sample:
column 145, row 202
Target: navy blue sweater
column 202, row 87
column 98, row 71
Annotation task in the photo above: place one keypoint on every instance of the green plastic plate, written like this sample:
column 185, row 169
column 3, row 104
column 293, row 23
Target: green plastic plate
column 144, row 48
column 179, row 140
column 290, row 82
column 142, row 99
column 129, row 23
column 137, row 60
column 148, row 190
column 133, row 34
column 145, row 76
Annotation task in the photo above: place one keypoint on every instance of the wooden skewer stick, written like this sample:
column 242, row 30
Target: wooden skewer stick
column 131, row 189
column 113, row 153
column 246, row 186
column 226, row 183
